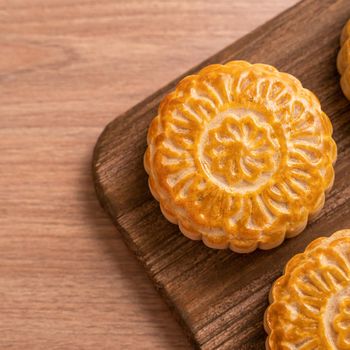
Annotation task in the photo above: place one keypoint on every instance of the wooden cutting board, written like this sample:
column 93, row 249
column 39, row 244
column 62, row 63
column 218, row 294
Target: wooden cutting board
column 219, row 297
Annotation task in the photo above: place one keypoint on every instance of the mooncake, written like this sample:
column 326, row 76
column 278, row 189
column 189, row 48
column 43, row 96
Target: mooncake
column 343, row 60
column 310, row 303
column 240, row 155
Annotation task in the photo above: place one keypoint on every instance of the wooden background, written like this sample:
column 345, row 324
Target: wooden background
column 67, row 67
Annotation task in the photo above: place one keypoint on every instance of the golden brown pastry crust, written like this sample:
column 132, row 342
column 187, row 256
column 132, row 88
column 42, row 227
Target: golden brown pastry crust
column 343, row 60
column 310, row 303
column 240, row 156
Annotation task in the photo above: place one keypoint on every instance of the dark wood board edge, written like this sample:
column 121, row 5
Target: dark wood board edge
column 106, row 206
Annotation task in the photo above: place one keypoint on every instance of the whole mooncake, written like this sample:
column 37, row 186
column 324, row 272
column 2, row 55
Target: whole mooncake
column 343, row 60
column 310, row 303
column 240, row 156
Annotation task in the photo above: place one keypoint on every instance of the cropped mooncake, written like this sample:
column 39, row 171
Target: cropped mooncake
column 310, row 303
column 240, row 156
column 343, row 60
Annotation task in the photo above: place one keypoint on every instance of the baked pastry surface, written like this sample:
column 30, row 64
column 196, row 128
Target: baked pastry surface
column 310, row 303
column 343, row 60
column 240, row 156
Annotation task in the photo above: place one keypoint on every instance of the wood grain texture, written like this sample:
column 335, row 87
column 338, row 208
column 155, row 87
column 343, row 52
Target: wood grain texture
column 219, row 297
column 67, row 67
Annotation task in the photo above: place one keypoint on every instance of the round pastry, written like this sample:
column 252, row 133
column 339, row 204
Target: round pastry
column 310, row 303
column 343, row 60
column 240, row 156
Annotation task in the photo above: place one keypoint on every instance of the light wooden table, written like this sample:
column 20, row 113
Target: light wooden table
column 67, row 67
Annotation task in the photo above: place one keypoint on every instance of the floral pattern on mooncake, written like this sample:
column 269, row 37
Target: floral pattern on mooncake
column 240, row 156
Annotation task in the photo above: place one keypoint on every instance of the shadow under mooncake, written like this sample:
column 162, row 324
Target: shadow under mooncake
column 343, row 60
column 240, row 156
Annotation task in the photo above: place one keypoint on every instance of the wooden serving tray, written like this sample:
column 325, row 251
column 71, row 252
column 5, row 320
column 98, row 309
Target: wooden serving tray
column 219, row 297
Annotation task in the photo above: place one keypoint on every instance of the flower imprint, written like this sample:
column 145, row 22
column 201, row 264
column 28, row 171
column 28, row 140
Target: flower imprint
column 310, row 303
column 239, row 151
column 240, row 156
column 341, row 324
